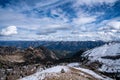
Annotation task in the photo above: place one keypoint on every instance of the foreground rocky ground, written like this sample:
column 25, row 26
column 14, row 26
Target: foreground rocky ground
column 66, row 72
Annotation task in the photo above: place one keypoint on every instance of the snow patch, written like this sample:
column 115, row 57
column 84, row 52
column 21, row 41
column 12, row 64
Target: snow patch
column 90, row 72
column 42, row 74
column 74, row 65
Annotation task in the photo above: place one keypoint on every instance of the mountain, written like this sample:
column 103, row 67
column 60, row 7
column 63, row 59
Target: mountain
column 29, row 55
column 55, row 45
column 105, row 59
column 61, row 48
column 18, row 63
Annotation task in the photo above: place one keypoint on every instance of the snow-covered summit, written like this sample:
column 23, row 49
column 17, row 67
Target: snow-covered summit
column 108, row 55
column 110, row 49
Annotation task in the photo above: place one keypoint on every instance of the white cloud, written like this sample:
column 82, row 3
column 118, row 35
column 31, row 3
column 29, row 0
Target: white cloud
column 11, row 30
column 60, row 14
column 79, row 4
column 110, row 25
column 114, row 24
column 82, row 20
column 92, row 2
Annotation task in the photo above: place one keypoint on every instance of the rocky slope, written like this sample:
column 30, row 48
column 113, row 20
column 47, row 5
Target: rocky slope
column 65, row 73
column 18, row 63
column 28, row 55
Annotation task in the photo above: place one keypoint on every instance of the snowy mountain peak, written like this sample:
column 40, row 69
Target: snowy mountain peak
column 110, row 49
column 108, row 55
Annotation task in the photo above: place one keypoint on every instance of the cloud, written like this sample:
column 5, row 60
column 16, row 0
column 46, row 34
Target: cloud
column 46, row 32
column 59, row 14
column 108, row 25
column 11, row 30
column 93, row 2
column 32, row 23
column 114, row 25
column 93, row 7
column 58, row 20
column 53, row 28
column 82, row 20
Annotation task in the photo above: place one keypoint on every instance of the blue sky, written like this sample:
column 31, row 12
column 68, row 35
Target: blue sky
column 67, row 20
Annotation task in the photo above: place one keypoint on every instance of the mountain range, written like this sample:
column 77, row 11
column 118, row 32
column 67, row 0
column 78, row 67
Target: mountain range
column 99, row 63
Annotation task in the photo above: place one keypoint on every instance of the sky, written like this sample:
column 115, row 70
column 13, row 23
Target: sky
column 60, row 20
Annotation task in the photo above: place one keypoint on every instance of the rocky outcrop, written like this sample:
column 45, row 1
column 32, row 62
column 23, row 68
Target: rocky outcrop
column 7, row 50
column 17, row 63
